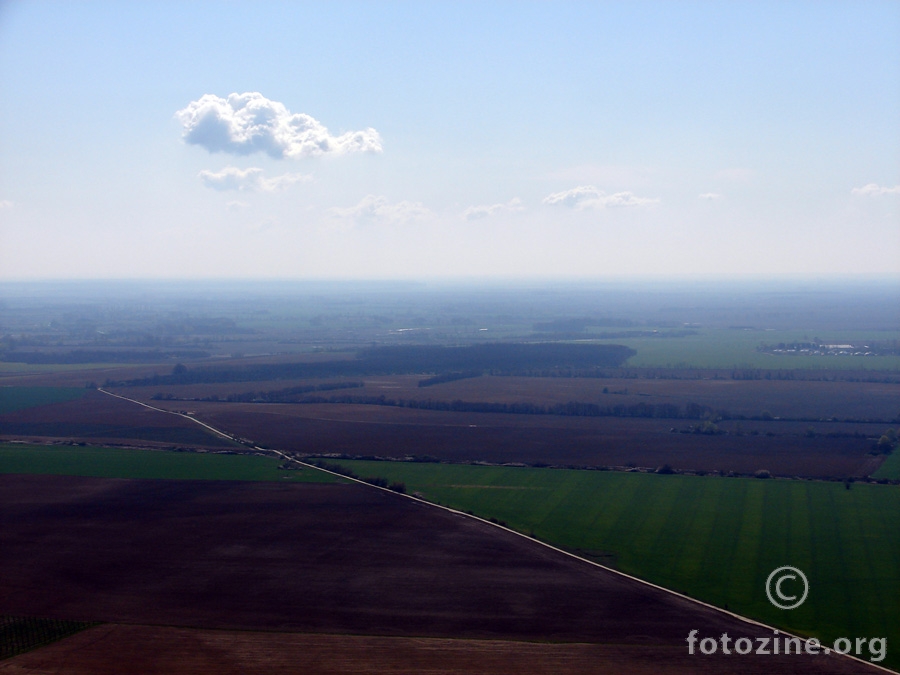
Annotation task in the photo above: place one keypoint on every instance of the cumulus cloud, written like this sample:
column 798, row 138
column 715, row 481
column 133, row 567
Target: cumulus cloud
column 249, row 180
column 589, row 197
column 478, row 212
column 246, row 123
column 379, row 208
column 710, row 196
column 873, row 190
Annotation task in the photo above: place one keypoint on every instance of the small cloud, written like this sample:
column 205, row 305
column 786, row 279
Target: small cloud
column 589, row 197
column 379, row 208
column 478, row 212
column 710, row 196
column 5, row 204
column 236, row 205
column 249, row 180
column 873, row 190
column 246, row 123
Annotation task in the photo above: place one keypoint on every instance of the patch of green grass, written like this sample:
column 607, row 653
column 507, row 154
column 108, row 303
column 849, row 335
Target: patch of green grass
column 726, row 348
column 716, row 539
column 176, row 435
column 19, row 398
column 19, row 634
column 128, row 463
column 890, row 468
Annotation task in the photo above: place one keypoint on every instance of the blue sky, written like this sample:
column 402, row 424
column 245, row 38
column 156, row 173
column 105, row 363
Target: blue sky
column 454, row 139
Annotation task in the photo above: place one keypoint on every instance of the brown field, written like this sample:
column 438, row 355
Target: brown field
column 99, row 418
column 781, row 398
column 113, row 649
column 343, row 564
column 381, row 431
column 781, row 447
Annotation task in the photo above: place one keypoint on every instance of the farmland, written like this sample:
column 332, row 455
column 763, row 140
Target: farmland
column 136, row 463
column 890, row 469
column 715, row 539
column 625, row 428
column 99, row 418
column 306, row 560
column 376, row 431
column 19, row 398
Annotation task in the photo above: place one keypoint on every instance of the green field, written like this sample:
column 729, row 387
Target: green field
column 716, row 539
column 19, row 634
column 724, row 348
column 19, row 398
column 890, row 468
column 127, row 463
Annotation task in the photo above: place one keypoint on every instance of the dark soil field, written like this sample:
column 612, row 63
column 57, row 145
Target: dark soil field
column 803, row 399
column 564, row 441
column 113, row 649
column 99, row 418
column 337, row 559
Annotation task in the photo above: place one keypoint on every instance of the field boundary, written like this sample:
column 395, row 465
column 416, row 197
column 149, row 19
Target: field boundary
column 418, row 500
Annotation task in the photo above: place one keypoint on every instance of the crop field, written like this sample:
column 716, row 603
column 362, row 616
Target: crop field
column 207, row 558
column 716, row 539
column 20, row 398
column 796, row 399
column 112, row 649
column 135, row 463
column 22, row 634
column 101, row 418
column 724, row 348
column 622, row 425
column 890, row 469
column 377, row 431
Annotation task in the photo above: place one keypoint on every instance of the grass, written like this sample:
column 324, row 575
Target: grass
column 716, row 539
column 723, row 348
column 19, row 398
column 890, row 468
column 22, row 634
column 128, row 463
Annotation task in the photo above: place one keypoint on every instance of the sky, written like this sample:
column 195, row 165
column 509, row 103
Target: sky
column 432, row 140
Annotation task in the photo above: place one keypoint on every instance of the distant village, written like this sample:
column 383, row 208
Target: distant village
column 816, row 348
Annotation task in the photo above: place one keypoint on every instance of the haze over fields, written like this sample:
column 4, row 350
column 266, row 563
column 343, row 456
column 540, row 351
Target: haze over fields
column 419, row 140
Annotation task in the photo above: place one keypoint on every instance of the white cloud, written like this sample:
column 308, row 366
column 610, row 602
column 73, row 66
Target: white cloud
column 5, row 204
column 873, row 190
column 236, row 205
column 477, row 212
column 246, row 123
column 379, row 208
column 249, row 180
column 589, row 197
column 710, row 196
